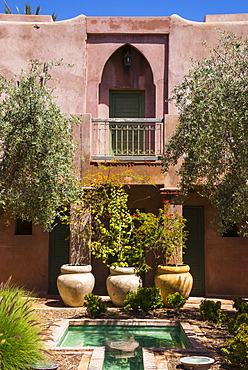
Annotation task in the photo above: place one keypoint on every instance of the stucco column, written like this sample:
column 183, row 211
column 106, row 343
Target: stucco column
column 171, row 195
column 80, row 235
column 80, row 225
column 82, row 134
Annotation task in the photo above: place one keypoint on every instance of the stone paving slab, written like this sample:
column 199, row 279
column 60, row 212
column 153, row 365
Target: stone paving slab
column 153, row 359
column 47, row 301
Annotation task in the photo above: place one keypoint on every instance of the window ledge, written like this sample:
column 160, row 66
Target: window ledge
column 127, row 158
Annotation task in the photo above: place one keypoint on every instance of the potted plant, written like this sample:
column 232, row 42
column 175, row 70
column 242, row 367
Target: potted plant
column 164, row 235
column 101, row 224
column 76, row 279
column 113, row 241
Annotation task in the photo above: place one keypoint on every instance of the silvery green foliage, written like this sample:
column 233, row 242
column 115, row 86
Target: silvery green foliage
column 36, row 157
column 212, row 135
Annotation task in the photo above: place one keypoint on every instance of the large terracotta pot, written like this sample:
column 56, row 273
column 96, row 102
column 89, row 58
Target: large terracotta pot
column 172, row 279
column 73, row 283
column 120, row 280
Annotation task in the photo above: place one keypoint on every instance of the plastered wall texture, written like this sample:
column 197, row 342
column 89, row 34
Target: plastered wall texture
column 92, row 45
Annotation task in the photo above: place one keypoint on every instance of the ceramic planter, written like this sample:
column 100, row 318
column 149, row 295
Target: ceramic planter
column 73, row 283
column 120, row 280
column 172, row 279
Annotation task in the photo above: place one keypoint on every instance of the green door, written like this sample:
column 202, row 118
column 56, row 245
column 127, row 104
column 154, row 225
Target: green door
column 59, row 246
column 127, row 139
column 194, row 251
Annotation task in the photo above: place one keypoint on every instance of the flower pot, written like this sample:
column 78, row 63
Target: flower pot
column 172, row 279
column 73, row 283
column 120, row 280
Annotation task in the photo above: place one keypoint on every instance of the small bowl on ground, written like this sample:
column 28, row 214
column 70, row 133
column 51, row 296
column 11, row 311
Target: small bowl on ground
column 197, row 362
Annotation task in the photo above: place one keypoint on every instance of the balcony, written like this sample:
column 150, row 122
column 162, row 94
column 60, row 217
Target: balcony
column 128, row 139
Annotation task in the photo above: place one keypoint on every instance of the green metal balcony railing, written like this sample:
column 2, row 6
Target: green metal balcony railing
column 127, row 138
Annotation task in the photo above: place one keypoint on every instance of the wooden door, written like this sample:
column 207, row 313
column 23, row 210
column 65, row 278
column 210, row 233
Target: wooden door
column 194, row 251
column 59, row 246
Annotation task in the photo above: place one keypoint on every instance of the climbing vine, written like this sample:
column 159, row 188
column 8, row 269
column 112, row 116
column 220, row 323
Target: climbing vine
column 105, row 225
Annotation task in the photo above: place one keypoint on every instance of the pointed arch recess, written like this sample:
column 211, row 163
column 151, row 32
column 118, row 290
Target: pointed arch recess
column 138, row 76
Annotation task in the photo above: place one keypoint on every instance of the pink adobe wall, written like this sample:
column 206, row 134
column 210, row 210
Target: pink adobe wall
column 106, row 35
column 48, row 41
column 25, row 18
column 185, row 42
column 24, row 257
column 149, row 35
column 79, row 91
column 37, row 37
column 226, row 258
column 88, row 43
column 128, row 25
column 226, row 17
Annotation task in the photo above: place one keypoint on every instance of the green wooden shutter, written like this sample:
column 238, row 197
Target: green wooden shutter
column 127, row 104
column 194, row 251
column 127, row 138
column 59, row 246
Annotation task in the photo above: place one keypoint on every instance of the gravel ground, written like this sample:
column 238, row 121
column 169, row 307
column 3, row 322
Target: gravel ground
column 50, row 310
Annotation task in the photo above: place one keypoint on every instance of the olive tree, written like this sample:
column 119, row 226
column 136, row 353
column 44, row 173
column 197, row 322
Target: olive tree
column 36, row 148
column 212, row 135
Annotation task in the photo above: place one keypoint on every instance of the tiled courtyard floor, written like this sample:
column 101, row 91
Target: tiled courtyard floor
column 51, row 310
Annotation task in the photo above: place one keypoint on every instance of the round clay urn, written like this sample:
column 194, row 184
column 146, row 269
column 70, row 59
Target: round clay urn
column 172, row 279
column 73, row 283
column 120, row 280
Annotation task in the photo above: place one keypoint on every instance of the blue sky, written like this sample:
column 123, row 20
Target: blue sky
column 189, row 9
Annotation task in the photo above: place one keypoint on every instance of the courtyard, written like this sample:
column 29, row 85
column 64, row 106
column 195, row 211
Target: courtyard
column 209, row 337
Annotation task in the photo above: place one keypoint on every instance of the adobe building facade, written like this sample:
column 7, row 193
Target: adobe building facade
column 123, row 72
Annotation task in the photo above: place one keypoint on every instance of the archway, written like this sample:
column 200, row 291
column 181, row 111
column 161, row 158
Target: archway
column 136, row 76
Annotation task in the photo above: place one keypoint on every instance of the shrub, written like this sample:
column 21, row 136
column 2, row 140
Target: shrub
column 176, row 300
column 236, row 321
column 163, row 234
column 237, row 350
column 241, row 305
column 211, row 311
column 145, row 299
column 21, row 335
column 94, row 305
